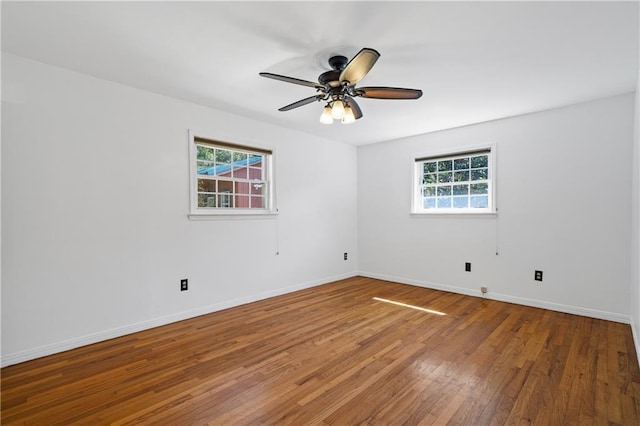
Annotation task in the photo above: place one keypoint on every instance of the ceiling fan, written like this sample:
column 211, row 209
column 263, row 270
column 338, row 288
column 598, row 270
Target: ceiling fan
column 337, row 87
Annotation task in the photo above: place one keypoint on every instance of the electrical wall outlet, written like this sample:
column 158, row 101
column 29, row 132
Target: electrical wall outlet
column 484, row 289
column 184, row 285
column 467, row 266
column 538, row 276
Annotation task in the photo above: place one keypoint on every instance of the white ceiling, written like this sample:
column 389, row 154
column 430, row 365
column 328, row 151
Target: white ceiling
column 474, row 61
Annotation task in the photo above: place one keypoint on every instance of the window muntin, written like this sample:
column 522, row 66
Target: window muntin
column 230, row 178
column 455, row 183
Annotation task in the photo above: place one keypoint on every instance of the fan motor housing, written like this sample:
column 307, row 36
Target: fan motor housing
column 331, row 78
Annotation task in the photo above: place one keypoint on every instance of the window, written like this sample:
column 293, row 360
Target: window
column 455, row 183
column 229, row 178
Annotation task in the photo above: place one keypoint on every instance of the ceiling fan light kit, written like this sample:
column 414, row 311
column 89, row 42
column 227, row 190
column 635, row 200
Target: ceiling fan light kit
column 348, row 116
column 337, row 109
column 325, row 117
column 337, row 87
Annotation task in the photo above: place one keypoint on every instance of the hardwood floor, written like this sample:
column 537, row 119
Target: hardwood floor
column 334, row 355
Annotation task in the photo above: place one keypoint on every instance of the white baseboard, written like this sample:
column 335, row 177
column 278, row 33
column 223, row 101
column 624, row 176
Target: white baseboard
column 38, row 352
column 568, row 309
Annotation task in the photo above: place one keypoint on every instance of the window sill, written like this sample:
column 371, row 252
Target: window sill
column 237, row 215
column 465, row 215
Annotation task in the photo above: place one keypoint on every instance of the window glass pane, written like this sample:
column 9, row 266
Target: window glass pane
column 479, row 201
column 242, row 187
column 429, row 191
column 255, row 174
column 225, row 200
column 255, row 160
column 240, row 172
column 205, row 168
column 460, row 189
column 461, row 202
column 206, row 185
column 445, row 165
column 242, row 202
column 480, row 161
column 444, row 202
column 240, row 159
column 223, row 169
column 257, row 202
column 479, row 174
column 429, row 178
column 444, row 191
column 479, row 188
column 223, row 156
column 257, row 188
column 225, row 186
column 429, row 203
column 206, row 200
column 461, row 163
column 461, row 176
column 205, row 153
column 444, row 177
column 429, row 167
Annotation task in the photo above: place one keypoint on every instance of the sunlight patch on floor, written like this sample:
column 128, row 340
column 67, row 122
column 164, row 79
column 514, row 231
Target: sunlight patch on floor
column 409, row 306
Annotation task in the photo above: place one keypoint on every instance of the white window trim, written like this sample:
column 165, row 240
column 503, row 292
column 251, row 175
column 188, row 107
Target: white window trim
column 196, row 213
column 451, row 212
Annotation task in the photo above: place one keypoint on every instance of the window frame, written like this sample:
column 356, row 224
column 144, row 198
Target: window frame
column 417, row 160
column 205, row 213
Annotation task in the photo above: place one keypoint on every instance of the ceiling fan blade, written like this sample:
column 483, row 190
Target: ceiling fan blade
column 359, row 66
column 291, row 80
column 301, row 102
column 388, row 93
column 357, row 112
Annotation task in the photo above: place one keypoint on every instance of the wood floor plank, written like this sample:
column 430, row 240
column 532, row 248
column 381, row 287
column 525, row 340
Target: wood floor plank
column 333, row 354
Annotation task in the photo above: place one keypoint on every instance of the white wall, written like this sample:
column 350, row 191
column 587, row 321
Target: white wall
column 635, row 224
column 95, row 197
column 563, row 197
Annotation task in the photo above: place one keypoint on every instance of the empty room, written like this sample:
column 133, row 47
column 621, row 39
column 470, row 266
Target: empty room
column 298, row 213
